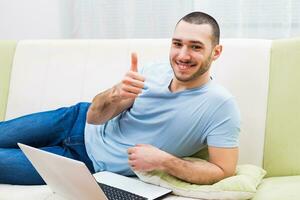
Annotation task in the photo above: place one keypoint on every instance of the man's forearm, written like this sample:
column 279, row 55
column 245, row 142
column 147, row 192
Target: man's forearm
column 222, row 163
column 104, row 107
column 198, row 172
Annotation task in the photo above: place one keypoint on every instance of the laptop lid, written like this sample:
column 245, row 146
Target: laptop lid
column 66, row 177
column 71, row 179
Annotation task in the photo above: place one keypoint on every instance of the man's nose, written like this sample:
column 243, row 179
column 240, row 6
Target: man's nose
column 184, row 54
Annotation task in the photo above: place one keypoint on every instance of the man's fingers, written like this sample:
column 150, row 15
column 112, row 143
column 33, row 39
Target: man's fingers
column 134, row 62
column 131, row 157
column 131, row 89
column 128, row 95
column 130, row 150
column 133, row 82
column 131, row 162
column 132, row 165
column 135, row 75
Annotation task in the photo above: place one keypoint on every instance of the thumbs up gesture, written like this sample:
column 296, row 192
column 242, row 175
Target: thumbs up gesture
column 134, row 62
column 133, row 83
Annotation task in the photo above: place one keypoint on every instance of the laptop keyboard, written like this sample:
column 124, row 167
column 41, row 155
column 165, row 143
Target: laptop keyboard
column 113, row 193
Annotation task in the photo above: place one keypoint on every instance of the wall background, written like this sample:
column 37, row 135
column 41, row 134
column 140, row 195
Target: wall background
column 61, row 19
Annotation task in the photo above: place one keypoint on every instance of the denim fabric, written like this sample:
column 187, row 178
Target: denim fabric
column 59, row 131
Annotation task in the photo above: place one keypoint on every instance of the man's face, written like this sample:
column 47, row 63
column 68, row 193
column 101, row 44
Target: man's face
column 191, row 51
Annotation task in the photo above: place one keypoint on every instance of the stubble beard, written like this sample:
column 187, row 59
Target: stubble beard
column 205, row 66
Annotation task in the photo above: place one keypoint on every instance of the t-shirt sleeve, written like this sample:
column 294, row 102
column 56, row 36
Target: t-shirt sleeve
column 224, row 125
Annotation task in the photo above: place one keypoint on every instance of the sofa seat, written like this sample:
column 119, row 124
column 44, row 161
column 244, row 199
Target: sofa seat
column 15, row 192
column 43, row 192
column 279, row 188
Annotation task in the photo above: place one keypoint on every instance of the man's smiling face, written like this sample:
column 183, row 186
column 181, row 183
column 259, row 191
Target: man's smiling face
column 191, row 51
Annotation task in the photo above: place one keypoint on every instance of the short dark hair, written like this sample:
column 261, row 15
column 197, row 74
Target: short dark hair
column 203, row 18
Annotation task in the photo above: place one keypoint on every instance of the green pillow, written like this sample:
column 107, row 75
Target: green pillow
column 239, row 187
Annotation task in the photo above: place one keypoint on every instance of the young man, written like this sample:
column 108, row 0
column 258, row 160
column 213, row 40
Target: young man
column 148, row 121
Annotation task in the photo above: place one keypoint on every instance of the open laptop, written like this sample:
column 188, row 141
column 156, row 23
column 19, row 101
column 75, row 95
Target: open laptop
column 71, row 179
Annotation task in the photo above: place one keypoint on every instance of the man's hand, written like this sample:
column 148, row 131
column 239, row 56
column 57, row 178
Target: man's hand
column 132, row 84
column 145, row 157
column 111, row 102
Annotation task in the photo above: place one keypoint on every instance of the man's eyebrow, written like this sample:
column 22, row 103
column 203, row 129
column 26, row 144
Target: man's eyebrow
column 175, row 39
column 196, row 42
column 190, row 41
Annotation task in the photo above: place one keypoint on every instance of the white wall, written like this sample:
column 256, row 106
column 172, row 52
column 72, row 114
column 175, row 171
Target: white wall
column 32, row 19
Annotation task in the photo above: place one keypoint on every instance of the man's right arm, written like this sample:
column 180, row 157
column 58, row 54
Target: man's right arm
column 107, row 105
column 110, row 103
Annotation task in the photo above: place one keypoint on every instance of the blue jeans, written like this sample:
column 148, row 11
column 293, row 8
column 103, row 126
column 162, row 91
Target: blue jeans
column 59, row 131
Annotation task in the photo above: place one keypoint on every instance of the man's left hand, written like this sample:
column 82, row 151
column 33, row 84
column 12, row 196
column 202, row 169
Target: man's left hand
column 145, row 157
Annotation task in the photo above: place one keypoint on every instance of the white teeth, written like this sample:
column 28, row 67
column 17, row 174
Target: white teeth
column 183, row 66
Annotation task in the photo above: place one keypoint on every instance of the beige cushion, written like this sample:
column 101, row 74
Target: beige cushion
column 242, row 186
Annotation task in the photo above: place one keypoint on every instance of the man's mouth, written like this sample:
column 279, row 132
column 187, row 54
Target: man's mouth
column 184, row 66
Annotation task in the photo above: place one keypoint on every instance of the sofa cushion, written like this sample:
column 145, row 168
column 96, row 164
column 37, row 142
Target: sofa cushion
column 279, row 188
column 241, row 186
column 282, row 128
column 7, row 51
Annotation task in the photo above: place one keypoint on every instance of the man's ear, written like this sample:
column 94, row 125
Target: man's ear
column 217, row 51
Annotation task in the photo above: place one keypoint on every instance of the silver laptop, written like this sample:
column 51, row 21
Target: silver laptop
column 71, row 179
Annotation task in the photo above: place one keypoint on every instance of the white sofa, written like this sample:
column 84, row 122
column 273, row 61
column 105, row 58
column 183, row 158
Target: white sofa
column 47, row 74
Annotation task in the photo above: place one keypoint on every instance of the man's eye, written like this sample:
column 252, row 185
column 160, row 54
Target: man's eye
column 196, row 47
column 176, row 44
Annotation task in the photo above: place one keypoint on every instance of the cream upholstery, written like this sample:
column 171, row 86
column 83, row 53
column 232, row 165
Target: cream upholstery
column 244, row 70
column 48, row 74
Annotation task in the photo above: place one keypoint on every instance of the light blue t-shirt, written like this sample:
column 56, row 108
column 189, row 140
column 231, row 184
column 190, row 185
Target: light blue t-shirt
column 180, row 123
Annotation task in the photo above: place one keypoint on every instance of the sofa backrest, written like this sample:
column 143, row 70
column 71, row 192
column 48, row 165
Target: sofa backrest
column 48, row 73
column 7, row 52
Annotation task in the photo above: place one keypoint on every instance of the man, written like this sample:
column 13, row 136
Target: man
column 150, row 120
